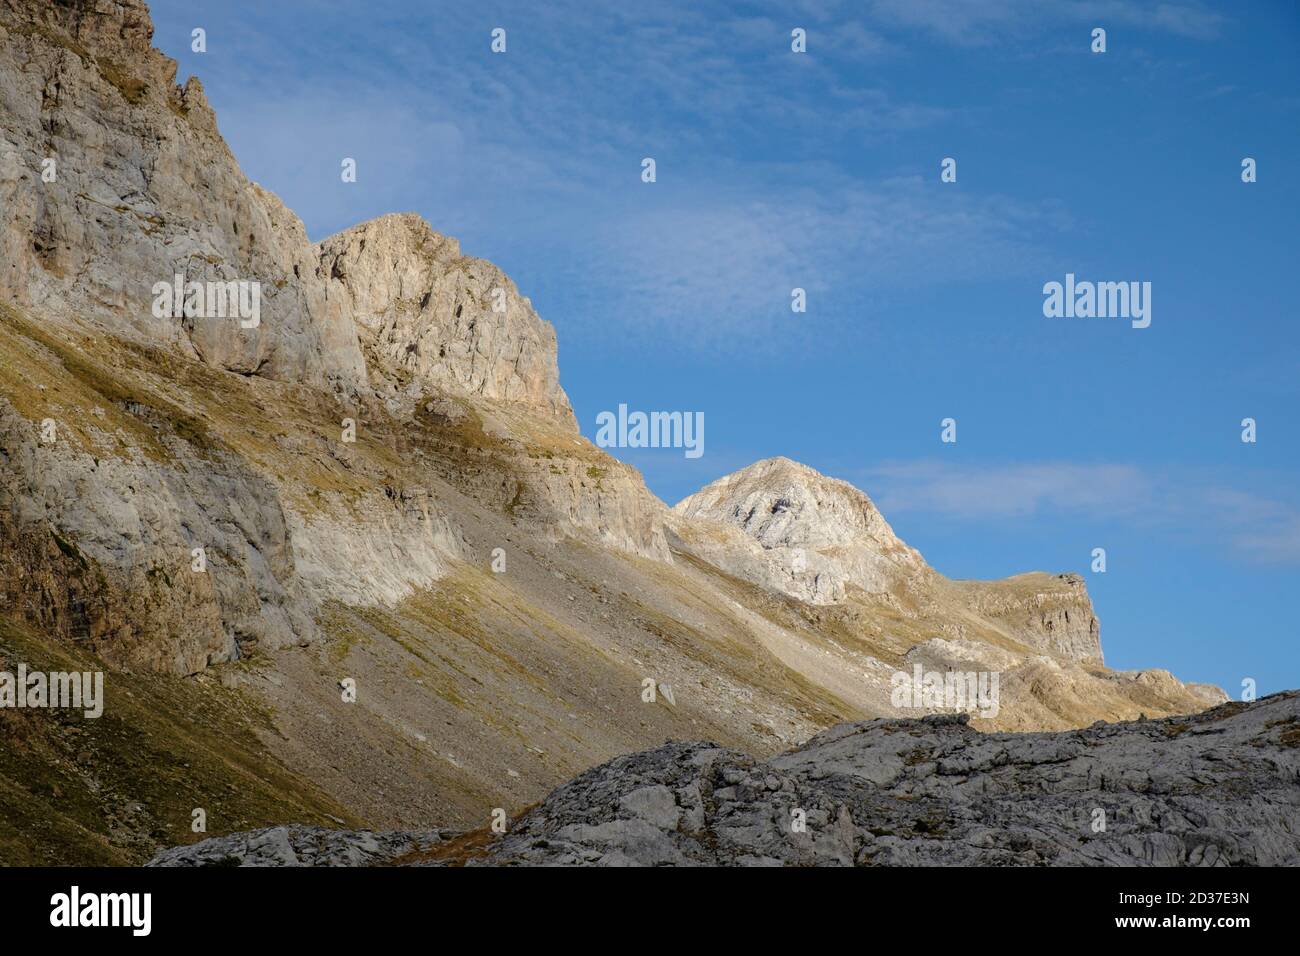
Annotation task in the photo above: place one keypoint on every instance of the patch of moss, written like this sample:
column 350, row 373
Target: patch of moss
column 156, row 574
column 918, row 756
column 132, row 88
column 106, row 383
column 454, row 852
column 1231, row 709
column 194, row 432
column 932, row 827
column 53, row 37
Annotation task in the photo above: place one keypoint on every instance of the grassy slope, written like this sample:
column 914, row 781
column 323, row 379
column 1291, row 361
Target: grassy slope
column 110, row 791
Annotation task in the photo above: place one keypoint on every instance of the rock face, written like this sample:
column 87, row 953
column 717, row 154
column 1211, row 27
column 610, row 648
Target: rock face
column 300, row 846
column 804, row 534
column 1048, row 612
column 101, row 550
column 98, row 527
column 143, row 188
column 427, row 313
column 1216, row 789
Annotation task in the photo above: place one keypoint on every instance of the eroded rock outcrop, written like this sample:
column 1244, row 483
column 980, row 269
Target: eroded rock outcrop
column 104, row 550
column 1050, row 612
column 428, row 313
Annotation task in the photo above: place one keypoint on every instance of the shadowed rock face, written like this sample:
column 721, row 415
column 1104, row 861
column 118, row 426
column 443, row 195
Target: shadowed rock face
column 1221, row 788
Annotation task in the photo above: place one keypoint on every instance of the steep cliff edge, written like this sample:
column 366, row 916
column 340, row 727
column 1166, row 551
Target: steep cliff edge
column 113, row 178
column 429, row 316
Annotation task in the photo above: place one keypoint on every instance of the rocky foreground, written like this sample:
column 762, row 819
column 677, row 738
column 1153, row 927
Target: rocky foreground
column 1221, row 788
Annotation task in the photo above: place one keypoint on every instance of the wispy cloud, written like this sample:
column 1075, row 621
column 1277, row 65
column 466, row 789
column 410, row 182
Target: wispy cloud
column 994, row 492
column 1261, row 528
column 541, row 150
column 1254, row 526
column 718, row 267
column 988, row 21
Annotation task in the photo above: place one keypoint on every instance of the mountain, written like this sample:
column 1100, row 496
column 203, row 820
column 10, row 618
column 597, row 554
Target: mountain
column 817, row 538
column 929, row 792
column 812, row 536
column 380, row 485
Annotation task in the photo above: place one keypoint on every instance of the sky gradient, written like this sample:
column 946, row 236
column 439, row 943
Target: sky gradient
column 821, row 170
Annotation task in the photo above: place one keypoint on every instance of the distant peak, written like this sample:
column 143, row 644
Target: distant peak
column 781, row 502
column 769, row 473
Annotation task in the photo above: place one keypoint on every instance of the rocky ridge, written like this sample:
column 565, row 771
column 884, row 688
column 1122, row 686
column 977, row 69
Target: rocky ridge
column 800, row 532
column 143, row 189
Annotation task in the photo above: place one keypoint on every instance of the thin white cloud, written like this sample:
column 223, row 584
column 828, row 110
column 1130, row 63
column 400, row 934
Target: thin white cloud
column 716, row 267
column 541, row 149
column 992, row 492
column 989, row 21
column 1253, row 526
column 1261, row 528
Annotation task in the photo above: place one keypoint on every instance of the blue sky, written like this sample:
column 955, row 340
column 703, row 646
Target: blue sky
column 822, row 171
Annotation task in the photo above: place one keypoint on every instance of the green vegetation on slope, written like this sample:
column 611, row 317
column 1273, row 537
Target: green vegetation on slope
column 113, row 790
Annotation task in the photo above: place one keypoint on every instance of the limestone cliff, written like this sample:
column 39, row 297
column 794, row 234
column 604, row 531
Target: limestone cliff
column 113, row 178
column 427, row 313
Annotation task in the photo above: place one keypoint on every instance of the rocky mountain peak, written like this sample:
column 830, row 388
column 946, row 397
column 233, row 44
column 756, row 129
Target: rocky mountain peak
column 429, row 314
column 786, row 527
column 782, row 503
column 122, row 28
column 114, row 179
column 814, row 534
